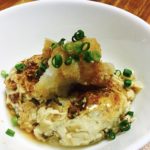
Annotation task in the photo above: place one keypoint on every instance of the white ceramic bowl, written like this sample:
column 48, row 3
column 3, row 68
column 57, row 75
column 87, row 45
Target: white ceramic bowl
column 125, row 40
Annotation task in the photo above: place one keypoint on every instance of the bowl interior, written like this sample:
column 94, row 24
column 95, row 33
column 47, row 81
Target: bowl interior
column 124, row 38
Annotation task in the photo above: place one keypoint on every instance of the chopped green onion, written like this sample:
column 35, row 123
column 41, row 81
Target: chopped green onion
column 38, row 73
column 75, row 57
column 117, row 73
column 68, row 61
column 4, row 74
column 14, row 120
column 127, row 72
column 85, row 46
column 43, row 66
column 88, row 56
column 110, row 134
column 78, row 36
column 77, row 47
column 57, row 61
column 68, row 47
column 96, row 56
column 73, row 47
column 54, row 45
column 61, row 42
column 127, row 83
column 124, row 125
column 130, row 113
column 10, row 132
column 73, row 39
column 20, row 67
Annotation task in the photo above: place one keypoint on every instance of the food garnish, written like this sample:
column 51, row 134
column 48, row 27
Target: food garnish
column 10, row 132
column 4, row 74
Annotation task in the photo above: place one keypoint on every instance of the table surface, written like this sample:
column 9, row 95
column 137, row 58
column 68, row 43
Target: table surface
column 140, row 8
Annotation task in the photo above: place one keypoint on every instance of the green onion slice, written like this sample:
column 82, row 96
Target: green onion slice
column 88, row 56
column 73, row 39
column 127, row 72
column 75, row 57
column 10, row 132
column 85, row 46
column 20, row 67
column 127, row 83
column 57, row 61
column 77, row 47
column 78, row 36
column 54, row 45
column 68, row 47
column 130, row 113
column 61, row 42
column 110, row 134
column 96, row 56
column 14, row 120
column 117, row 73
column 43, row 66
column 73, row 47
column 4, row 74
column 38, row 73
column 124, row 125
column 68, row 61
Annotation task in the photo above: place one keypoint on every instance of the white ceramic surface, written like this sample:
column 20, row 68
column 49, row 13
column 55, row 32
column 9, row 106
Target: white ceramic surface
column 125, row 40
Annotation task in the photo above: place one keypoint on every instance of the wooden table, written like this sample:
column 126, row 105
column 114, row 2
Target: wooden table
column 140, row 8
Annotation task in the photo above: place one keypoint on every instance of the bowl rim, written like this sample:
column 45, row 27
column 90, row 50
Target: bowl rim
column 121, row 11
column 146, row 138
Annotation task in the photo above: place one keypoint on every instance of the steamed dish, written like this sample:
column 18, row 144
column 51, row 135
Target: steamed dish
column 68, row 95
